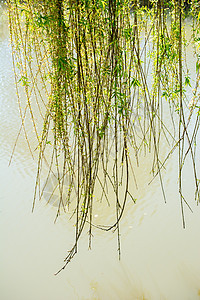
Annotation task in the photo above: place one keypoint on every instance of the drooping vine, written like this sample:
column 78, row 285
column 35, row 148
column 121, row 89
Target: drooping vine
column 104, row 78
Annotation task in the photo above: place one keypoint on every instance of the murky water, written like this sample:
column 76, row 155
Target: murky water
column 160, row 259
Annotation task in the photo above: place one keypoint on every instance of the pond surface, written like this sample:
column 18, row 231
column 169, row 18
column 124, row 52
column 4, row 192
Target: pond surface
column 160, row 259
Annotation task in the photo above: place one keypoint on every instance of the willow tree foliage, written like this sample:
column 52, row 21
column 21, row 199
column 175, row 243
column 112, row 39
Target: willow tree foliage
column 106, row 76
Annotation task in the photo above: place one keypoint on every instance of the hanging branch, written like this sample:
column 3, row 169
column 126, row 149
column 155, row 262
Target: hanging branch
column 100, row 73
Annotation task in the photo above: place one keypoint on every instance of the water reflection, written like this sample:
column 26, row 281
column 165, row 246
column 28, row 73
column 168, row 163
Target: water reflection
column 159, row 260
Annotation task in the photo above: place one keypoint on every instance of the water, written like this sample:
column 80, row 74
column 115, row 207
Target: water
column 160, row 259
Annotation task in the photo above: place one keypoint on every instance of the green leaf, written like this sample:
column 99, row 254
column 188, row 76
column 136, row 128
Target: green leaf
column 187, row 81
column 197, row 66
column 165, row 94
column 24, row 81
column 135, row 82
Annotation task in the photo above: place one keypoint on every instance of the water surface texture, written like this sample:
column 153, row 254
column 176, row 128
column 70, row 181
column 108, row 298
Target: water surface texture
column 160, row 259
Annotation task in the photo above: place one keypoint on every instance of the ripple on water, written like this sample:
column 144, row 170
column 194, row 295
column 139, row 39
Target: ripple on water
column 151, row 254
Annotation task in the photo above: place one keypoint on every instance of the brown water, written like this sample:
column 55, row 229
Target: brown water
column 160, row 259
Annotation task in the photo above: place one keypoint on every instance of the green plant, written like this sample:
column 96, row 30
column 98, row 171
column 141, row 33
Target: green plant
column 100, row 72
